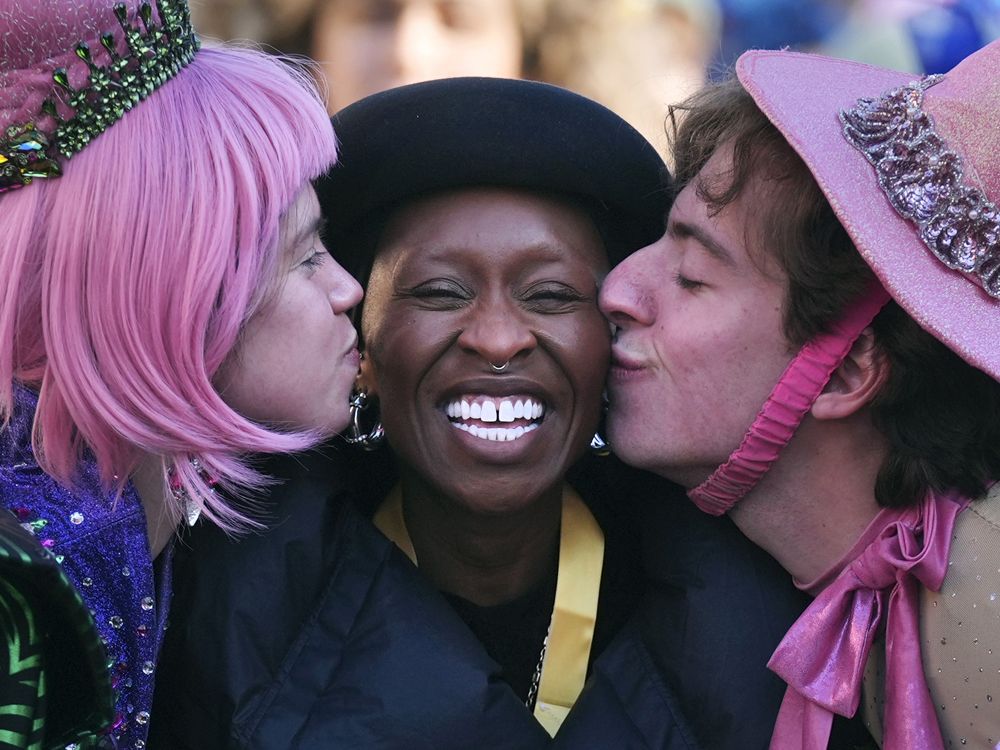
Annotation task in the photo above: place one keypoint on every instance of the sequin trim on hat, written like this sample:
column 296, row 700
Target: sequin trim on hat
column 922, row 178
column 155, row 53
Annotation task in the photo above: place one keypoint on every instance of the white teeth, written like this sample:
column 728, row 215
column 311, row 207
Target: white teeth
column 489, row 412
column 506, row 413
column 493, row 410
column 496, row 434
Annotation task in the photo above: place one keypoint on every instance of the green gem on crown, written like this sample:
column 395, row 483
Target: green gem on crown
column 156, row 53
column 24, row 155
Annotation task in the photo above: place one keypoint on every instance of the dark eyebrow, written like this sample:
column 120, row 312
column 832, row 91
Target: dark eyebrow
column 683, row 230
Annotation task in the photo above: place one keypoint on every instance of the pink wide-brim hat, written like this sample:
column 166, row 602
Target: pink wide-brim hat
column 804, row 95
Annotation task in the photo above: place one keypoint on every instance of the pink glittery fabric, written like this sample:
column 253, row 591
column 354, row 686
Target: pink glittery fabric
column 799, row 386
column 803, row 96
column 874, row 589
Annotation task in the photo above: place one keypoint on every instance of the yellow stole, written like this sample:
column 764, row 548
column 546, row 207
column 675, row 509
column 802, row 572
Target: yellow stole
column 571, row 629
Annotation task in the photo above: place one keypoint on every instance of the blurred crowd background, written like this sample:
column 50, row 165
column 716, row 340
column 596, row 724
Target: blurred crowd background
column 635, row 56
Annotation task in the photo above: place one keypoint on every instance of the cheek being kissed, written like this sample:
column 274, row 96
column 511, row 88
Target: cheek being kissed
column 486, row 348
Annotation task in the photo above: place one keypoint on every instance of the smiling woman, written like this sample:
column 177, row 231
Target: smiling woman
column 461, row 280
column 472, row 277
column 486, row 354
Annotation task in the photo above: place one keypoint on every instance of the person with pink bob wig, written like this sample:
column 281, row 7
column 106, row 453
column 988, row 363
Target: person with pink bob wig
column 168, row 310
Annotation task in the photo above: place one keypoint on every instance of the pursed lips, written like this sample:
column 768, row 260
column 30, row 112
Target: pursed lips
column 352, row 348
column 622, row 362
column 496, row 418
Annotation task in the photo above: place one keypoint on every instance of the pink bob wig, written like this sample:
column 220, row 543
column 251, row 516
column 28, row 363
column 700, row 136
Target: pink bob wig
column 127, row 281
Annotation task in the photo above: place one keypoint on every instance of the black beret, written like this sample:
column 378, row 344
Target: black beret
column 461, row 132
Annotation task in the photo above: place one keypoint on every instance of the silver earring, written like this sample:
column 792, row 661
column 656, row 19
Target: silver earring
column 191, row 509
column 599, row 446
column 356, row 435
column 499, row 368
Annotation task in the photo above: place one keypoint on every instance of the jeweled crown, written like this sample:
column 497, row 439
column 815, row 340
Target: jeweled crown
column 154, row 54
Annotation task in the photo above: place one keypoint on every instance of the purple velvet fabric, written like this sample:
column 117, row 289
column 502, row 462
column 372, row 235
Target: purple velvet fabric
column 101, row 544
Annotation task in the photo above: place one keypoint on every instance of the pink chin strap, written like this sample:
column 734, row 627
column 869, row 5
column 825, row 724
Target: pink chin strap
column 799, row 386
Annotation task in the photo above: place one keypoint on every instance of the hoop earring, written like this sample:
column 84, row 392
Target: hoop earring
column 599, row 446
column 356, row 435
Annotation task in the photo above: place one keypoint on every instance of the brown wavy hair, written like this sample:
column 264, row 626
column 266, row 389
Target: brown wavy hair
column 937, row 413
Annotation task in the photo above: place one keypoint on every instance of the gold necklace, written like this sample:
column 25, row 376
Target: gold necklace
column 562, row 664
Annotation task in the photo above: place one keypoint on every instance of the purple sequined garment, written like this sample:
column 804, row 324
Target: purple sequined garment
column 102, row 547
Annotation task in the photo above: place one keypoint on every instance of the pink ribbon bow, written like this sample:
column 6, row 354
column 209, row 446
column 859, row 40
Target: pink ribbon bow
column 823, row 655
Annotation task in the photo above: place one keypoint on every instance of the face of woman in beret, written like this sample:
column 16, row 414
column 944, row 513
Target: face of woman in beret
column 468, row 281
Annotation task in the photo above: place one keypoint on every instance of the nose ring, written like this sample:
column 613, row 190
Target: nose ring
column 499, row 368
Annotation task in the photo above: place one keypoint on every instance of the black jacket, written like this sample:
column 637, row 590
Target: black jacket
column 319, row 634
